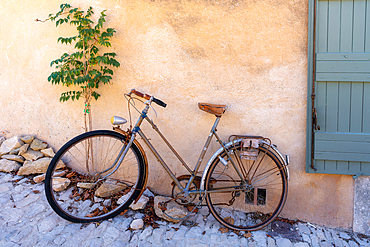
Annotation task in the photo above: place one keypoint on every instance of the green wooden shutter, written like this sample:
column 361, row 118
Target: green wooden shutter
column 342, row 88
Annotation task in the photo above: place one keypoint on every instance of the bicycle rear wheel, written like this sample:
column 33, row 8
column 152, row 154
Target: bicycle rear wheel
column 81, row 184
column 249, row 195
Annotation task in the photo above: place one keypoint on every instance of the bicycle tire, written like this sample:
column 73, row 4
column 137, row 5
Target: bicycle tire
column 81, row 164
column 251, row 205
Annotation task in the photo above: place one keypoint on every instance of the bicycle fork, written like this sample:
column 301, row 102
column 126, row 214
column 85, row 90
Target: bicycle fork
column 122, row 154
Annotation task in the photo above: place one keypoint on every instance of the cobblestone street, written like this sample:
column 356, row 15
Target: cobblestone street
column 26, row 219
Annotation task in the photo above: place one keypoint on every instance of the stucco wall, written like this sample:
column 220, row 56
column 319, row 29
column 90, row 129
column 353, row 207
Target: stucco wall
column 249, row 55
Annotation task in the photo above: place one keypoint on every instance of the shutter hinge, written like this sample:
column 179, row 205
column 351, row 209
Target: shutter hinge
column 315, row 126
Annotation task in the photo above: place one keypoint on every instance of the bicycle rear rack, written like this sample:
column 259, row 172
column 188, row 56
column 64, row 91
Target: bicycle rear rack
column 251, row 144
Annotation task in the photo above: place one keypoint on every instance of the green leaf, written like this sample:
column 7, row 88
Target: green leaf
column 95, row 95
column 115, row 63
column 89, row 12
column 94, row 49
column 112, row 54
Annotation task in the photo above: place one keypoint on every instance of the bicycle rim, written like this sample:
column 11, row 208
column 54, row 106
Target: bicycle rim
column 83, row 184
column 254, row 203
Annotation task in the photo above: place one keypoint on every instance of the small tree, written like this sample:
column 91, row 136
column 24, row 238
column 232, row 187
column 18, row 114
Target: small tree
column 86, row 68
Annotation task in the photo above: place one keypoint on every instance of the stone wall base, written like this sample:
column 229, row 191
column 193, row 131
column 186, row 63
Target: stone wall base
column 361, row 221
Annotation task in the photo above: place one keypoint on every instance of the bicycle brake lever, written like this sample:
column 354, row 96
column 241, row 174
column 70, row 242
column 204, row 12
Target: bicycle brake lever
column 149, row 103
column 154, row 111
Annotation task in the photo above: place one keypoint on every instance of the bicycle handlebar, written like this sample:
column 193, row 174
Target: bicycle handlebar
column 147, row 96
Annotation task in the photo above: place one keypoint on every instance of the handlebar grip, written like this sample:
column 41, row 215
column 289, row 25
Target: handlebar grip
column 159, row 102
column 147, row 96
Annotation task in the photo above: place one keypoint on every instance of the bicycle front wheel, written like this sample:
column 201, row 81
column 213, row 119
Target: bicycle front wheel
column 86, row 183
column 249, row 194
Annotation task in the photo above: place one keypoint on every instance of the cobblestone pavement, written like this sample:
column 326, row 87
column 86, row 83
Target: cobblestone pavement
column 26, row 219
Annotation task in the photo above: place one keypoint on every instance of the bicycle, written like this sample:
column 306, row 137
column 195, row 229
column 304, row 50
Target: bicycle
column 98, row 174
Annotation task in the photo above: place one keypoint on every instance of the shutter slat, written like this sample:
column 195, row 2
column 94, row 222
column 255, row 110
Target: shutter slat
column 342, row 146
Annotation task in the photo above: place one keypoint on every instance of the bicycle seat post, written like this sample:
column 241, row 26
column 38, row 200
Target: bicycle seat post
column 204, row 150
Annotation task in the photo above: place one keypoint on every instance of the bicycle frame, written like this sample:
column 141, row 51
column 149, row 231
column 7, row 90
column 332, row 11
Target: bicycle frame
column 136, row 130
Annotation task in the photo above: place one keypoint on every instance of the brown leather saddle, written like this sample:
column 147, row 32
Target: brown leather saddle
column 217, row 110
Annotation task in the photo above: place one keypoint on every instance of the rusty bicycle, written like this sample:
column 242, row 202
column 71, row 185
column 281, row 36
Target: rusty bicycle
column 98, row 174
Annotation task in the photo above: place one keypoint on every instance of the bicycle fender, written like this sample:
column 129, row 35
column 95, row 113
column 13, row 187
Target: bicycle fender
column 141, row 149
column 227, row 145
column 146, row 169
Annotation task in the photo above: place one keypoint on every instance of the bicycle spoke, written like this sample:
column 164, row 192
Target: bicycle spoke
column 86, row 195
column 247, row 205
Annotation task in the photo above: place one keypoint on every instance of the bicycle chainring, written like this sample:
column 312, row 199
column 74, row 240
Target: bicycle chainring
column 177, row 194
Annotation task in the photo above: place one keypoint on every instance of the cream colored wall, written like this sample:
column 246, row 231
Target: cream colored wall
column 249, row 55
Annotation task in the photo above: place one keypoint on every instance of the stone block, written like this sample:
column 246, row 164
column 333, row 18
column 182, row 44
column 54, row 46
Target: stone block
column 148, row 193
column 40, row 178
column 60, row 184
column 140, row 204
column 86, row 185
column 37, row 167
column 146, row 233
column 361, row 219
column 13, row 157
column 9, row 165
column 109, row 188
column 32, row 155
column 125, row 197
column 303, row 229
column 37, row 145
column 173, row 209
column 10, row 144
column 2, row 139
column 23, row 149
column 283, row 242
column 27, row 139
column 48, row 152
column 301, row 244
column 260, row 237
column 14, row 151
column 137, row 224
